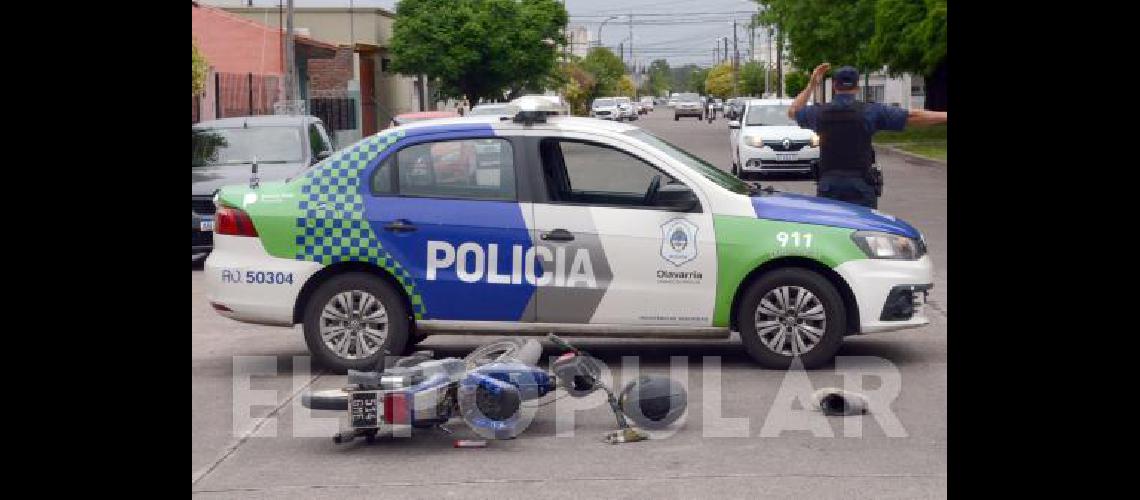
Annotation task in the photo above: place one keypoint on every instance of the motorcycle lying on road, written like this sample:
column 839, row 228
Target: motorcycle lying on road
column 487, row 389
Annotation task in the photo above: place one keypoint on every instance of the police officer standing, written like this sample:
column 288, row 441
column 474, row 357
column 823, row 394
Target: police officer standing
column 845, row 127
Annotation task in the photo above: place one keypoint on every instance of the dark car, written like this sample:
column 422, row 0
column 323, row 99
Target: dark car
column 223, row 154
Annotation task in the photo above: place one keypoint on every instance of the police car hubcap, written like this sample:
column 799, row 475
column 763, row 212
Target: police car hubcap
column 354, row 324
column 790, row 320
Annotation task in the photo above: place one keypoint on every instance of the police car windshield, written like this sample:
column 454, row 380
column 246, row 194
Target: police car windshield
column 722, row 178
column 236, row 146
column 768, row 114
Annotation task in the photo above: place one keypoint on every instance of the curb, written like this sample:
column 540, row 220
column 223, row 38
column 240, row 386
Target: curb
column 893, row 150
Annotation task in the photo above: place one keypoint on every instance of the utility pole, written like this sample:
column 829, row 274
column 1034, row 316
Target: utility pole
column 631, row 39
column 768, row 63
column 725, row 49
column 780, row 64
column 290, row 58
column 735, row 57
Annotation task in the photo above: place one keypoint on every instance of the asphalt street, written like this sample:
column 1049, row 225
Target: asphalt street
column 900, row 452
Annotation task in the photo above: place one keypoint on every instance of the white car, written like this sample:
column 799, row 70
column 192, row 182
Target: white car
column 764, row 140
column 628, row 111
column 647, row 103
column 605, row 108
column 435, row 228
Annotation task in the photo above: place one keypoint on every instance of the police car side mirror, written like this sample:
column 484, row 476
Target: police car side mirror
column 677, row 197
column 734, row 124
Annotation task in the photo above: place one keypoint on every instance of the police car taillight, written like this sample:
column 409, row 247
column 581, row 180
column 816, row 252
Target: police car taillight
column 233, row 222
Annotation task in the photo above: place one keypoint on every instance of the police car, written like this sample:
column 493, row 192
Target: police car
column 764, row 140
column 533, row 224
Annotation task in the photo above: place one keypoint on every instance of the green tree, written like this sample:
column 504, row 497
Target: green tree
column 478, row 48
column 606, row 68
column 752, row 79
column 200, row 67
column 824, row 30
column 910, row 37
column 578, row 87
column 718, row 83
column 660, row 78
column 796, row 82
column 626, row 87
column 697, row 80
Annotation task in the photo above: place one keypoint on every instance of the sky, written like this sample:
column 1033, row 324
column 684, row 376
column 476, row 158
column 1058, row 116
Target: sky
column 679, row 31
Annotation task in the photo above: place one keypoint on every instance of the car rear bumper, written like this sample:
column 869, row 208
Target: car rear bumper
column 245, row 283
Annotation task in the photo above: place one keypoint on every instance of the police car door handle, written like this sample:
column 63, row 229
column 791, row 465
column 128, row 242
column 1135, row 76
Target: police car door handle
column 557, row 235
column 399, row 226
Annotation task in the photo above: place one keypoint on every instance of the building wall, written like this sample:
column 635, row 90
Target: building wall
column 331, row 77
column 395, row 93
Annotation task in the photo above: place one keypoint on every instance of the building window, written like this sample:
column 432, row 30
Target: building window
column 384, row 62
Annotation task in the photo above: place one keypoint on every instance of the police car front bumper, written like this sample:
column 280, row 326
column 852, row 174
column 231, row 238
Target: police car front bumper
column 890, row 294
column 765, row 159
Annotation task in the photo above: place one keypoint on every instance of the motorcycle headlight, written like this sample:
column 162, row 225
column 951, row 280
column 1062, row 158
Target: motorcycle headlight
column 754, row 141
column 815, row 140
column 888, row 246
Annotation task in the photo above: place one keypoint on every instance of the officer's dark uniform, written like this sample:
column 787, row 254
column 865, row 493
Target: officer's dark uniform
column 845, row 127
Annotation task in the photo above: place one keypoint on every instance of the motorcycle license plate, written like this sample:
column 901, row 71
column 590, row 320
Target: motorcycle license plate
column 365, row 410
column 786, row 157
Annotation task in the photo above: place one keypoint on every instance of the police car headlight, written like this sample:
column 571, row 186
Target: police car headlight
column 754, row 141
column 815, row 140
column 888, row 246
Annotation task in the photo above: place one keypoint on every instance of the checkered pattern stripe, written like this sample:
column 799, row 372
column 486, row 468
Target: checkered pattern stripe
column 333, row 228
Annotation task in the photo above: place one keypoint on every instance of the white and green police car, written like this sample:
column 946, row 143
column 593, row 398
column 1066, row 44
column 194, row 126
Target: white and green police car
column 582, row 227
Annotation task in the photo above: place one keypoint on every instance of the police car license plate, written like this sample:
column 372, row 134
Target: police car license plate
column 364, row 409
column 206, row 225
column 785, row 157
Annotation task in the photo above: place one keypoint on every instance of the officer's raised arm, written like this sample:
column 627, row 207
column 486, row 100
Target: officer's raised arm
column 922, row 117
column 805, row 94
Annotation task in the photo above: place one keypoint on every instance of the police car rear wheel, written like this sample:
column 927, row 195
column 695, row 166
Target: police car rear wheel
column 352, row 320
column 791, row 313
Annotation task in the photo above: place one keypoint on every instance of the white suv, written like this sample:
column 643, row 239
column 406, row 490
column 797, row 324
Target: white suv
column 629, row 112
column 605, row 108
column 764, row 140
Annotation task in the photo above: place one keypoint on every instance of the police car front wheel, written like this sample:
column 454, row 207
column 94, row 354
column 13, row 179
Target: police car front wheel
column 791, row 313
column 352, row 320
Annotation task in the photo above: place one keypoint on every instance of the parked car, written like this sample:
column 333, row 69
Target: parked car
column 688, row 104
column 718, row 104
column 406, row 118
column 766, row 141
column 224, row 151
column 605, row 108
column 628, row 111
column 646, row 103
column 605, row 230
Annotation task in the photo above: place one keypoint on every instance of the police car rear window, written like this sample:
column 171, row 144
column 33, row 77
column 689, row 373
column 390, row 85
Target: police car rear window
column 479, row 169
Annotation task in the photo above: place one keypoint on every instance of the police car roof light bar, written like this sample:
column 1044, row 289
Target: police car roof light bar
column 530, row 117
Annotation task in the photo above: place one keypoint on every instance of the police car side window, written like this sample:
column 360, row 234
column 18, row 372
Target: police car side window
column 477, row 169
column 596, row 174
